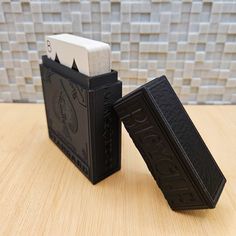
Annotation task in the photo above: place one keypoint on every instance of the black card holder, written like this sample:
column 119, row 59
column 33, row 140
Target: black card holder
column 80, row 117
column 171, row 146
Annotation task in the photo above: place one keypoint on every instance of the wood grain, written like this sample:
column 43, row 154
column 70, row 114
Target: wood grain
column 42, row 193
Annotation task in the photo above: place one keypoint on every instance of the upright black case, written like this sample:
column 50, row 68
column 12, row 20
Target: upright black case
column 171, row 146
column 80, row 117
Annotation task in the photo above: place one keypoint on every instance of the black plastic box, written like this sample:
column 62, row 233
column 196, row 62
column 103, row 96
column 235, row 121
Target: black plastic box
column 80, row 117
column 171, row 146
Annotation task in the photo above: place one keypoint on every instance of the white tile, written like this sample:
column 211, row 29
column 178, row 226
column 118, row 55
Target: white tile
column 180, row 39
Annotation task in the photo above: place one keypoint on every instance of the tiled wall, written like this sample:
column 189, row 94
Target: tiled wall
column 192, row 42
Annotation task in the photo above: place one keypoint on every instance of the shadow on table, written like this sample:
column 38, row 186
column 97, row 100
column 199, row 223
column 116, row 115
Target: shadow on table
column 132, row 182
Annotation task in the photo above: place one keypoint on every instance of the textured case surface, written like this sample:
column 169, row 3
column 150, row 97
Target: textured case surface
column 171, row 146
column 80, row 117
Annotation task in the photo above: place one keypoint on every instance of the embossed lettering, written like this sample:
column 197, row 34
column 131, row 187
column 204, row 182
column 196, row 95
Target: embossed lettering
column 169, row 173
column 107, row 129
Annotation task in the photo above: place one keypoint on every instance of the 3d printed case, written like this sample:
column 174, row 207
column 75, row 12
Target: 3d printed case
column 80, row 117
column 171, row 146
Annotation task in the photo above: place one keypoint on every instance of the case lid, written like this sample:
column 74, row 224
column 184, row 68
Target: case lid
column 171, row 146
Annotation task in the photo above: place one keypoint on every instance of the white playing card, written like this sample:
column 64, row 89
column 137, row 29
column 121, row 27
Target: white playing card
column 89, row 56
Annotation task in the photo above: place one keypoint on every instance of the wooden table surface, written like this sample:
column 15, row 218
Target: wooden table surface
column 42, row 192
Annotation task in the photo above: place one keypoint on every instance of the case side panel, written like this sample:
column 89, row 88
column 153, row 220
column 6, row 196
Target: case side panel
column 106, row 131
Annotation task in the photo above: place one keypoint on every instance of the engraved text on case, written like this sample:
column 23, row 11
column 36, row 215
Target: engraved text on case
column 161, row 160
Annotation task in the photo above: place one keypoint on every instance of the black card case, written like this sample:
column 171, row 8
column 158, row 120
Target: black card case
column 80, row 117
column 171, row 146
